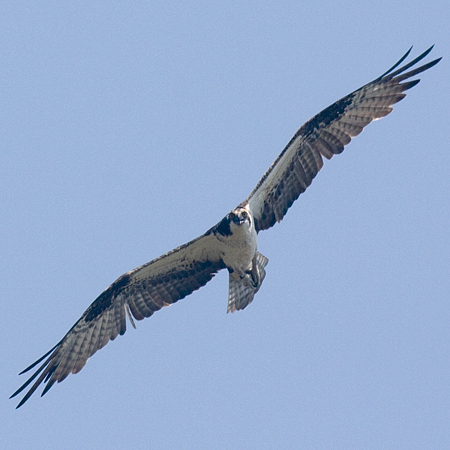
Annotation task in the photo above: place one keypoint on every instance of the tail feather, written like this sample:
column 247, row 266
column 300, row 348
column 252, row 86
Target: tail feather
column 240, row 294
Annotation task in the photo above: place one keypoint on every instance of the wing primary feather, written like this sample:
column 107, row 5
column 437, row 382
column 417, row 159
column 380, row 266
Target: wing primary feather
column 400, row 61
column 276, row 190
column 36, row 363
column 414, row 72
column 388, row 75
column 30, row 380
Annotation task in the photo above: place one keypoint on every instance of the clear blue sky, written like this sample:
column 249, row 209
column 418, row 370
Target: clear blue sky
column 129, row 128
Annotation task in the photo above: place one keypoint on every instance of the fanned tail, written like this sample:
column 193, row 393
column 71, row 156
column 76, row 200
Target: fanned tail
column 240, row 293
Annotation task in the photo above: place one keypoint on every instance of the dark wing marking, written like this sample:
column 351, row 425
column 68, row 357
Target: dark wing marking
column 137, row 294
column 326, row 134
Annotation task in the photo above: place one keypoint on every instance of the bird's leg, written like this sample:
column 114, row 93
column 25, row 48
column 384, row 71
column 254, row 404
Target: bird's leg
column 253, row 275
column 245, row 277
column 249, row 277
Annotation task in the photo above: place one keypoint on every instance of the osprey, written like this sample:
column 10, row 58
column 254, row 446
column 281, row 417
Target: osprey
column 232, row 244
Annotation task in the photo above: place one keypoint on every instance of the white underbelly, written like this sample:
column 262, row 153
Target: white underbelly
column 239, row 251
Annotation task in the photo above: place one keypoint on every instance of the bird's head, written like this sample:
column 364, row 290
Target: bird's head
column 239, row 216
column 233, row 222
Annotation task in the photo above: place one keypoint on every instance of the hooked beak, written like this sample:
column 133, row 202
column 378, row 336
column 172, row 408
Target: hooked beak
column 238, row 220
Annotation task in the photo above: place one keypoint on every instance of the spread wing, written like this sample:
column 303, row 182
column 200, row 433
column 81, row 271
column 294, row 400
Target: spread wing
column 137, row 294
column 326, row 134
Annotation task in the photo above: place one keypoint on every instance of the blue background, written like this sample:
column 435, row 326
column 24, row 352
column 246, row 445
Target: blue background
column 129, row 128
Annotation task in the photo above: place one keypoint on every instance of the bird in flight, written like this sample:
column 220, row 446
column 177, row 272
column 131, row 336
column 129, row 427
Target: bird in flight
column 232, row 244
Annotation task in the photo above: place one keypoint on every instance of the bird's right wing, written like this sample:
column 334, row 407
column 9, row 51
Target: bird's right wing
column 138, row 294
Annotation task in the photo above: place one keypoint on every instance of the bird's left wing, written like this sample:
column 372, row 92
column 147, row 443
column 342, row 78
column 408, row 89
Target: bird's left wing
column 326, row 134
column 137, row 294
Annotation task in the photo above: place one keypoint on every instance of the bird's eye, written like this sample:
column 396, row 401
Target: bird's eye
column 244, row 214
column 232, row 215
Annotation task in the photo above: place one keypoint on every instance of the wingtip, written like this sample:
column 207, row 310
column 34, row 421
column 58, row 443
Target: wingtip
column 426, row 52
column 20, row 404
column 391, row 72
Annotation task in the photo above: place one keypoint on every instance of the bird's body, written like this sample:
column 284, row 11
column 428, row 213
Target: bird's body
column 239, row 242
column 237, row 234
column 232, row 244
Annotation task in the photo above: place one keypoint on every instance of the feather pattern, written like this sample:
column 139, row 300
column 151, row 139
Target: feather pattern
column 144, row 290
column 240, row 294
column 325, row 135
